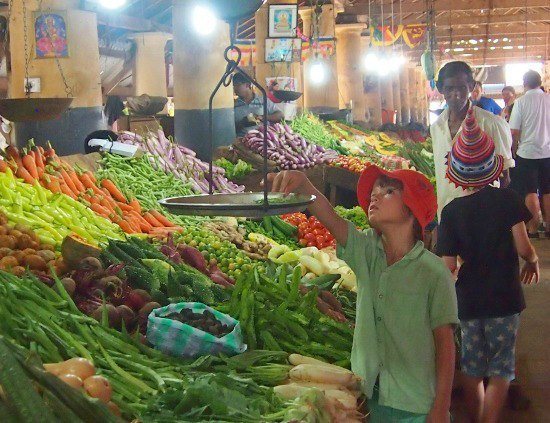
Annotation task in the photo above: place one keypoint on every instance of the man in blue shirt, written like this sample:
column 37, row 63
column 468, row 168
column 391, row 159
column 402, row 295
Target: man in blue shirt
column 483, row 102
column 249, row 107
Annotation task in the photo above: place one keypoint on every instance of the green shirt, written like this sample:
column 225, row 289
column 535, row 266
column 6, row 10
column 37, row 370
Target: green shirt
column 397, row 309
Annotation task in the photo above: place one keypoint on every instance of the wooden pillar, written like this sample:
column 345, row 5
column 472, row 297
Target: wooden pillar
column 150, row 64
column 405, row 98
column 350, row 74
column 198, row 66
column 323, row 95
column 266, row 70
column 396, row 80
column 422, row 97
column 80, row 69
column 373, row 103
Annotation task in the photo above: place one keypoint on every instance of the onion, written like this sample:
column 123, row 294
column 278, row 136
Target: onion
column 98, row 387
column 77, row 366
column 72, row 380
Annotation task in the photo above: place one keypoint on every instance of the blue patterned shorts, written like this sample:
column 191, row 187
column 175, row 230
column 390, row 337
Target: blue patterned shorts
column 488, row 346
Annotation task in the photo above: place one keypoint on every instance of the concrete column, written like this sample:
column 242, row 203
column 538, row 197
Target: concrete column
column 413, row 90
column 317, row 96
column 422, row 97
column 150, row 63
column 198, row 66
column 397, row 96
column 350, row 74
column 386, row 87
column 266, row 70
column 373, row 103
column 405, row 99
column 81, row 70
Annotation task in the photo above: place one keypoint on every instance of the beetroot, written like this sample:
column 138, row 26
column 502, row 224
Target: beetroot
column 220, row 280
column 137, row 298
column 193, row 257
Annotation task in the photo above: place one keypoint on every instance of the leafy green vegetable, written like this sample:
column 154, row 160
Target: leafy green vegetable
column 234, row 171
column 314, row 130
column 356, row 215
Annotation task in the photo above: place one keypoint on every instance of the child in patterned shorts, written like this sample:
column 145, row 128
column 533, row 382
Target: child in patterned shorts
column 486, row 229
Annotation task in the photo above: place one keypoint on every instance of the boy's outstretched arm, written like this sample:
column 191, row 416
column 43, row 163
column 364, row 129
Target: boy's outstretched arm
column 530, row 272
column 294, row 181
column 445, row 368
column 451, row 263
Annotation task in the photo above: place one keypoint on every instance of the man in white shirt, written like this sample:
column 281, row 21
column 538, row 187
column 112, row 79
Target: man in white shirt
column 456, row 82
column 530, row 124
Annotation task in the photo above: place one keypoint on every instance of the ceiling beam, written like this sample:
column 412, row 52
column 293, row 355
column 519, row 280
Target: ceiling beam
column 446, row 5
column 130, row 23
column 514, row 41
column 109, row 52
column 504, row 31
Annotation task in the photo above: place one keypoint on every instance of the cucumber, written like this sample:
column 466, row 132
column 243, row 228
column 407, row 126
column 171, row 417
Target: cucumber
column 323, row 282
column 286, row 228
column 131, row 249
column 147, row 249
column 114, row 249
column 19, row 390
column 159, row 297
column 268, row 226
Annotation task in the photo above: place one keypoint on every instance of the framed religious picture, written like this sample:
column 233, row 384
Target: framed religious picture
column 283, row 20
column 50, row 34
column 283, row 50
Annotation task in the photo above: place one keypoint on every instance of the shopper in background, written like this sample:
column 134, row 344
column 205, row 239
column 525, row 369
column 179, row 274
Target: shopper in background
column 509, row 96
column 249, row 107
column 485, row 103
column 455, row 82
column 530, row 124
column 486, row 229
column 403, row 346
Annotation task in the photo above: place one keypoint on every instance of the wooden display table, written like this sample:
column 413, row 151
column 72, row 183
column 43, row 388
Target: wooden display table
column 341, row 186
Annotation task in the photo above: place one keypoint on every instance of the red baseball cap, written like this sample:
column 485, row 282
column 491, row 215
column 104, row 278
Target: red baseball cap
column 418, row 192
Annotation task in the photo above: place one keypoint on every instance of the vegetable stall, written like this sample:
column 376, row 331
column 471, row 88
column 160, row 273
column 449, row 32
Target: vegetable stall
column 115, row 309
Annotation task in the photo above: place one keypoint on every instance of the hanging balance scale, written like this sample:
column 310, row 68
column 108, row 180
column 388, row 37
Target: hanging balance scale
column 30, row 109
column 252, row 204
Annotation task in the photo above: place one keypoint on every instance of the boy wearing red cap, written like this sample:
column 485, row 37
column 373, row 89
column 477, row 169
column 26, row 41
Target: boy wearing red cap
column 403, row 345
column 486, row 229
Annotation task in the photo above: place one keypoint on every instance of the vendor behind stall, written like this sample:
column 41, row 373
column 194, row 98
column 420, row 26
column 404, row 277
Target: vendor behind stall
column 249, row 107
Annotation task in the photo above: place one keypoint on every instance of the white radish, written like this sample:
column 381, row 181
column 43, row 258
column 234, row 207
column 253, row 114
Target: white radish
column 327, row 387
column 297, row 359
column 348, row 401
column 291, row 391
column 323, row 374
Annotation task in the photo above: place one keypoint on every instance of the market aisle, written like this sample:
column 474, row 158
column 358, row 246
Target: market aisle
column 533, row 348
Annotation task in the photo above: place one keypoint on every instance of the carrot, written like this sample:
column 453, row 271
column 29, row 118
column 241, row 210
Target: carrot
column 69, row 181
column 135, row 205
column 13, row 152
column 51, row 152
column 89, row 183
column 143, row 224
column 115, row 192
column 41, row 150
column 107, row 204
column 126, row 227
column 53, row 185
column 91, row 176
column 74, row 177
column 152, row 221
column 3, row 166
column 102, row 211
column 124, row 207
column 66, row 190
column 24, row 174
column 157, row 215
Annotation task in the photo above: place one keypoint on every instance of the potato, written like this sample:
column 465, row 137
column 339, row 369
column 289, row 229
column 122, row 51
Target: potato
column 7, row 241
column 8, row 262
column 47, row 255
column 5, row 252
column 15, row 233
column 18, row 270
column 3, row 230
column 35, row 262
column 19, row 255
column 46, row 247
column 3, row 219
column 24, row 241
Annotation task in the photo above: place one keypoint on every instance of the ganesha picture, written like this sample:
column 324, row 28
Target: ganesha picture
column 51, row 36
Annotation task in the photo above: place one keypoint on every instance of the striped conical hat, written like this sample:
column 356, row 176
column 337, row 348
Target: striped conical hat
column 472, row 162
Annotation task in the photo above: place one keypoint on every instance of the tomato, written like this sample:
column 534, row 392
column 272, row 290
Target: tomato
column 311, row 244
column 309, row 237
column 318, row 225
column 303, row 226
column 320, row 240
column 312, row 219
column 303, row 242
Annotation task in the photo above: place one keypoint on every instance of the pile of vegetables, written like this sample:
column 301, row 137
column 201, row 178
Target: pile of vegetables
column 339, row 386
column 21, row 249
column 205, row 321
column 276, row 315
column 272, row 230
column 286, row 148
column 224, row 254
column 30, row 394
column 104, row 198
column 254, row 249
column 311, row 232
column 355, row 215
column 146, row 385
column 420, row 156
column 181, row 162
column 51, row 216
column 234, row 171
column 313, row 129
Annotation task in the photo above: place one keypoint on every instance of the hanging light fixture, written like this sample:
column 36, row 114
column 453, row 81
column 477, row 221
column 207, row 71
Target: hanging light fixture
column 204, row 20
column 113, row 4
